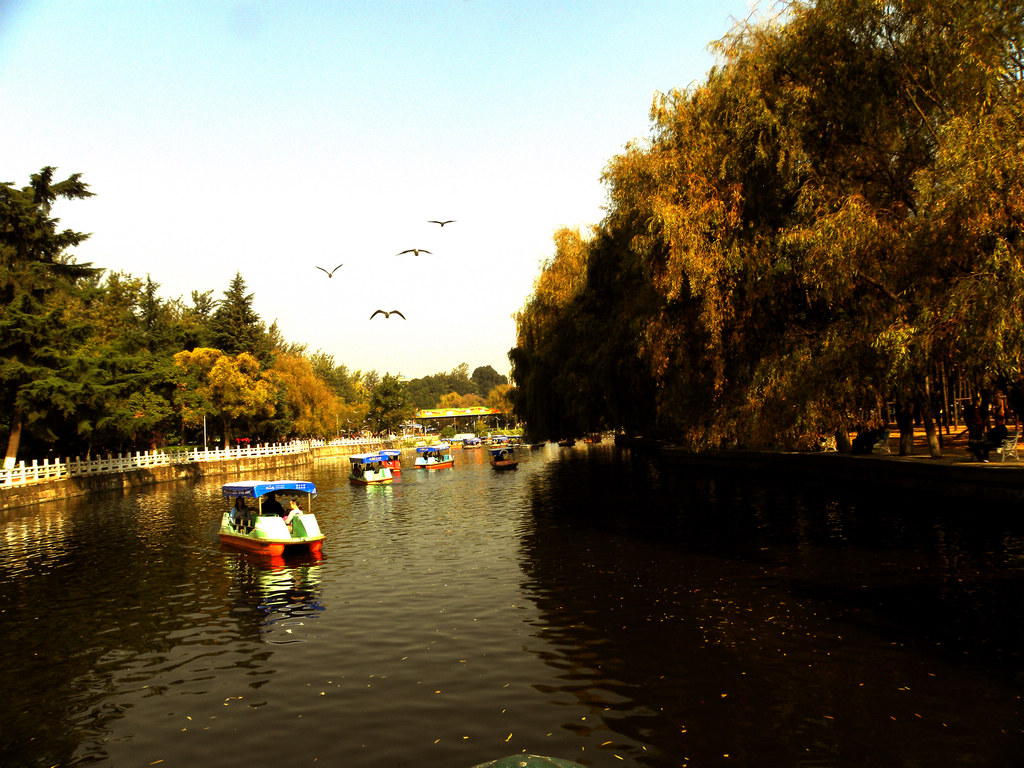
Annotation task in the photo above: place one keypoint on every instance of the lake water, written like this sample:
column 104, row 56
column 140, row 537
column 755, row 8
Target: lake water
column 589, row 605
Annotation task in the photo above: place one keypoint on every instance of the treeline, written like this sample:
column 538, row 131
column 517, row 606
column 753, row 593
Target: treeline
column 823, row 234
column 91, row 359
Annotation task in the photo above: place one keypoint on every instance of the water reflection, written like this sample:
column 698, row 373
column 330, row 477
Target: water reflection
column 743, row 621
column 280, row 596
column 593, row 605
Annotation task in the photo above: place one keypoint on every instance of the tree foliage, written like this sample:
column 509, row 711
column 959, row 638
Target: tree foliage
column 38, row 373
column 827, row 224
column 389, row 405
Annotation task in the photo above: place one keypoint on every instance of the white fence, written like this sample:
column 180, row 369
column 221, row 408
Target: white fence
column 45, row 471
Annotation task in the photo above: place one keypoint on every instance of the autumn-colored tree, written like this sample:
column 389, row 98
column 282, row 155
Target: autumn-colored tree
column 231, row 388
column 240, row 392
column 828, row 224
column 306, row 405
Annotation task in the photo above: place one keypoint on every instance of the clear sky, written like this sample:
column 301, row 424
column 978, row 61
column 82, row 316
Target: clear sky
column 271, row 137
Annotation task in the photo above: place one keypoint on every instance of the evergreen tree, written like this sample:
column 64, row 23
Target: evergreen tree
column 389, row 405
column 235, row 326
column 486, row 378
column 38, row 375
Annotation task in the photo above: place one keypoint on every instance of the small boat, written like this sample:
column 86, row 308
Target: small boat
column 594, row 437
column 434, row 456
column 471, row 442
column 255, row 528
column 567, row 442
column 392, row 460
column 503, row 457
column 369, row 468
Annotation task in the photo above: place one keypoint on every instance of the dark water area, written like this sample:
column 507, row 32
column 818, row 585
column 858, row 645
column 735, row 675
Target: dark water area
column 591, row 605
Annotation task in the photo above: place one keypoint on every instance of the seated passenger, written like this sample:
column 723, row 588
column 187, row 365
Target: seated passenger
column 293, row 510
column 240, row 516
column 993, row 439
column 271, row 506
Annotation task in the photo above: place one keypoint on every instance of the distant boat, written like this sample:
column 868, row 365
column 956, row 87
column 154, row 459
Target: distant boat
column 434, row 456
column 392, row 460
column 250, row 529
column 567, row 443
column 471, row 442
column 503, row 457
column 369, row 468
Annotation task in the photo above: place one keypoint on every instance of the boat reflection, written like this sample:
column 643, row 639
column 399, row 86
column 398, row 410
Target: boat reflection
column 285, row 592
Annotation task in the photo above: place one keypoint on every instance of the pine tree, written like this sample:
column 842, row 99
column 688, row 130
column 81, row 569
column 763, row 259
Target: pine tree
column 235, row 325
column 38, row 374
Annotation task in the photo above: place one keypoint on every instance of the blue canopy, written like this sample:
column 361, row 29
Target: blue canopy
column 390, row 453
column 252, row 489
column 430, row 448
column 470, row 440
column 501, row 449
column 365, row 458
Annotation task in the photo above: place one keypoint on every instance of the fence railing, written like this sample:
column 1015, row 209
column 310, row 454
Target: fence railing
column 29, row 473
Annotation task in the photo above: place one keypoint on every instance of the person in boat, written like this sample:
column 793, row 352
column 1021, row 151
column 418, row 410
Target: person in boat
column 271, row 506
column 293, row 510
column 240, row 514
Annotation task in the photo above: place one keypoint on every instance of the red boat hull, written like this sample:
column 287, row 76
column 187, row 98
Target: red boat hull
column 269, row 547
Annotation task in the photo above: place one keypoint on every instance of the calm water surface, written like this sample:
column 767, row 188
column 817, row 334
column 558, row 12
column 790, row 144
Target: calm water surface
column 589, row 605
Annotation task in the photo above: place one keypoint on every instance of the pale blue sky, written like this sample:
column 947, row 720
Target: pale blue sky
column 270, row 137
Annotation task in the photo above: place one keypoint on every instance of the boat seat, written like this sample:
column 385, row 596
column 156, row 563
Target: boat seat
column 1009, row 446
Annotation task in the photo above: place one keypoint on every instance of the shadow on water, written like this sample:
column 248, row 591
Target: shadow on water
column 592, row 605
column 736, row 615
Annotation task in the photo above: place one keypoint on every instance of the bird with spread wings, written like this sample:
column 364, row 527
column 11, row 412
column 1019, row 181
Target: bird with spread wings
column 441, row 223
column 387, row 314
column 331, row 273
column 413, row 251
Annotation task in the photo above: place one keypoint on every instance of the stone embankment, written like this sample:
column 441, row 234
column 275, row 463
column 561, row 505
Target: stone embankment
column 56, row 490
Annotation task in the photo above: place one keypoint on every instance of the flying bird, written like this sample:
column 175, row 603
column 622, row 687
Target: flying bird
column 442, row 223
column 387, row 314
column 414, row 251
column 331, row 273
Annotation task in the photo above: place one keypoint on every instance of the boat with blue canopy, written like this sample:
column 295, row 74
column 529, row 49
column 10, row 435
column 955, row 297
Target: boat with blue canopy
column 503, row 457
column 259, row 522
column 434, row 456
column 392, row 459
column 369, row 468
column 471, row 442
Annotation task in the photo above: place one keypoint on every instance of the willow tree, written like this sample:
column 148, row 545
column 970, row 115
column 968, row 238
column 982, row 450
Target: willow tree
column 543, row 396
column 806, row 236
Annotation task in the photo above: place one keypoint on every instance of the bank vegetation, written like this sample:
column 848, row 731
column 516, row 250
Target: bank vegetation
column 824, row 233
